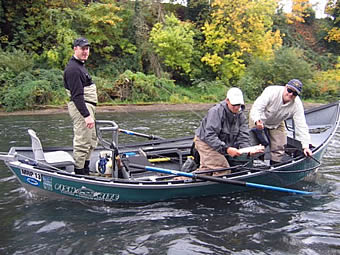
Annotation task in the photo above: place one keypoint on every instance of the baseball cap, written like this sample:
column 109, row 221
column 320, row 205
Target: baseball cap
column 81, row 42
column 235, row 96
column 296, row 85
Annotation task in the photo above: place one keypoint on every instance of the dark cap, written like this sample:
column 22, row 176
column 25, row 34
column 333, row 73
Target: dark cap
column 81, row 42
column 296, row 85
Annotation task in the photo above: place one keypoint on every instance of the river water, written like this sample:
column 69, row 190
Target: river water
column 257, row 222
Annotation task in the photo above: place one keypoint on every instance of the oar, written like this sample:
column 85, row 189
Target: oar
column 151, row 137
column 223, row 180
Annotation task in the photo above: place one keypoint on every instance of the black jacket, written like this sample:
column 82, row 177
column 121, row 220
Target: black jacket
column 76, row 77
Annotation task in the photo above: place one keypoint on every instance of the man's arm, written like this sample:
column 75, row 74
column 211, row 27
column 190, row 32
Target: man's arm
column 301, row 127
column 213, row 128
column 77, row 91
column 259, row 107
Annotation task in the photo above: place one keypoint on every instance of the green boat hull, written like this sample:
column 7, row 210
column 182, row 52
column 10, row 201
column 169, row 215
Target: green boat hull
column 85, row 188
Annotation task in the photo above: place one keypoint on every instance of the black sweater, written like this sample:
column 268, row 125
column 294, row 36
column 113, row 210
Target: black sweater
column 76, row 77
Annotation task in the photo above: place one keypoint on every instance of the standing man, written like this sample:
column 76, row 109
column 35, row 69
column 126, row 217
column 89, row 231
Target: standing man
column 82, row 105
column 223, row 131
column 272, row 108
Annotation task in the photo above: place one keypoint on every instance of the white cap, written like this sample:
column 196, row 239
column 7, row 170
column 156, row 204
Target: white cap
column 235, row 96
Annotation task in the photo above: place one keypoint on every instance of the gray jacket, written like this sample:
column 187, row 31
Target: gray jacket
column 221, row 129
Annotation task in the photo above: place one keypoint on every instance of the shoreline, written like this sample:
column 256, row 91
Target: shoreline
column 113, row 108
column 130, row 108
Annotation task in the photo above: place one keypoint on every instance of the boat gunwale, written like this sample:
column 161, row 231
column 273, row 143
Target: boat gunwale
column 143, row 183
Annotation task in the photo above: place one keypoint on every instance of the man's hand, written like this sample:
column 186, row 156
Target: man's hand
column 307, row 152
column 89, row 122
column 259, row 124
column 233, row 152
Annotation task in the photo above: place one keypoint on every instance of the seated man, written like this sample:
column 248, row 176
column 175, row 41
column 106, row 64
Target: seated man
column 223, row 131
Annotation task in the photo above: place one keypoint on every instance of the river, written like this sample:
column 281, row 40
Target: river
column 257, row 222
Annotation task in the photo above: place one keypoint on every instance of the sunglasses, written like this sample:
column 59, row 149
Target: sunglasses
column 292, row 92
column 236, row 105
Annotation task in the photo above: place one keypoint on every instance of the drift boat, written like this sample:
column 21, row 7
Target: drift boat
column 147, row 171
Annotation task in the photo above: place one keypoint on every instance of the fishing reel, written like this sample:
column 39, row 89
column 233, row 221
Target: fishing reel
column 104, row 166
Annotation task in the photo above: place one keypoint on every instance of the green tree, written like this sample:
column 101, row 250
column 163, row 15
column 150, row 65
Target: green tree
column 48, row 28
column 173, row 42
column 42, row 28
column 198, row 11
column 104, row 24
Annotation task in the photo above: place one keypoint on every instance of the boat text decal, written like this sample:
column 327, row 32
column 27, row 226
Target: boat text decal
column 31, row 174
column 47, row 183
column 85, row 193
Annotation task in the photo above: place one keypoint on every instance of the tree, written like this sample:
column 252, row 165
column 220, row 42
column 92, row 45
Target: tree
column 48, row 28
column 287, row 63
column 237, row 31
column 299, row 11
column 333, row 9
column 40, row 27
column 104, row 24
column 198, row 11
column 173, row 42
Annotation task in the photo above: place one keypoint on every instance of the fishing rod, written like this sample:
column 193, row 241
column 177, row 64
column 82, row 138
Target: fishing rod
column 150, row 137
column 222, row 180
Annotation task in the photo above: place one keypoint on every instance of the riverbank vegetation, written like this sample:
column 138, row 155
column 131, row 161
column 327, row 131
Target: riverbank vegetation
column 148, row 51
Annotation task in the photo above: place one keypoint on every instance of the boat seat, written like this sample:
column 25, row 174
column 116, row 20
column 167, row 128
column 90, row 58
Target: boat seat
column 60, row 159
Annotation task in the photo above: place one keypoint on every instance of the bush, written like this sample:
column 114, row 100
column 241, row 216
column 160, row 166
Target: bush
column 16, row 61
column 209, row 91
column 138, row 87
column 251, row 86
column 12, row 63
column 287, row 64
column 27, row 95
column 112, row 69
column 31, row 89
column 326, row 85
column 104, row 86
column 23, row 87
